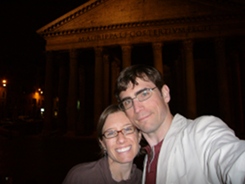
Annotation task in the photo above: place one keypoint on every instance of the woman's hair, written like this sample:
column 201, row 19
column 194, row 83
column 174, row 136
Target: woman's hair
column 109, row 110
column 144, row 72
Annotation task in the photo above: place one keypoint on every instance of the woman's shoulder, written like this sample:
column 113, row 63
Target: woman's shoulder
column 88, row 166
column 85, row 171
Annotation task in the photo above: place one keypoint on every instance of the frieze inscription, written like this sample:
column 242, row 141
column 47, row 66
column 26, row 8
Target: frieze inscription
column 145, row 33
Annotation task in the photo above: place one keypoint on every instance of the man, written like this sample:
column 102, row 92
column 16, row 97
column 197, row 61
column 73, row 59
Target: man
column 204, row 150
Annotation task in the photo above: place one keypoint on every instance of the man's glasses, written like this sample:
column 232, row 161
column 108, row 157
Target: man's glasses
column 114, row 133
column 141, row 95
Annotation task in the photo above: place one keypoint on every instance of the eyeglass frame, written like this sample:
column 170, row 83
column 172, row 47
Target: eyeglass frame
column 120, row 131
column 121, row 106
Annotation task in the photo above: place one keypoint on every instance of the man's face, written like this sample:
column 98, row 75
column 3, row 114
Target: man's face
column 150, row 114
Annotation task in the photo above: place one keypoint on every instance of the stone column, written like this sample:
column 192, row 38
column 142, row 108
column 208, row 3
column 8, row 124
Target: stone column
column 238, row 116
column 223, row 84
column 62, row 94
column 98, row 85
column 126, row 55
column 190, row 79
column 48, row 94
column 242, row 65
column 106, row 71
column 82, row 124
column 157, row 52
column 115, row 70
column 72, row 94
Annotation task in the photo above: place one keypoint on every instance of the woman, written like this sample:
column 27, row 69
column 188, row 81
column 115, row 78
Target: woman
column 119, row 140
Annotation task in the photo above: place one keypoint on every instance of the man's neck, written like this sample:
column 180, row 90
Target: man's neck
column 154, row 138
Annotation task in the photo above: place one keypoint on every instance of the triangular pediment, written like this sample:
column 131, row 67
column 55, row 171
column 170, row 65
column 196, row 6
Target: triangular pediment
column 97, row 13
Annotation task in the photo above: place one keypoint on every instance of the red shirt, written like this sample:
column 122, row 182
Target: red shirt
column 151, row 167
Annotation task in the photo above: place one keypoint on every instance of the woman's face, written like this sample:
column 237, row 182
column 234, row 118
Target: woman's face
column 122, row 148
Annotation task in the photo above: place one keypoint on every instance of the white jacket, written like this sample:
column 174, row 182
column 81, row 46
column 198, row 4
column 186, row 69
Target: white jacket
column 200, row 151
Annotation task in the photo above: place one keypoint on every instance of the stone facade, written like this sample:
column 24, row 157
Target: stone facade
column 197, row 45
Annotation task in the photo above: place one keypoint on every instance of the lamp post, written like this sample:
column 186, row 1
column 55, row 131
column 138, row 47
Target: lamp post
column 3, row 97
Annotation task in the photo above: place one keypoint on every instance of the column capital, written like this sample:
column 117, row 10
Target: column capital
column 219, row 39
column 188, row 44
column 219, row 43
column 73, row 52
column 126, row 48
column 98, row 51
column 157, row 45
column 116, row 63
column 49, row 54
column 106, row 58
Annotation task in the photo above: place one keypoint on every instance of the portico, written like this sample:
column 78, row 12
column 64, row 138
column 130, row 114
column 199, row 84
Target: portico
column 88, row 47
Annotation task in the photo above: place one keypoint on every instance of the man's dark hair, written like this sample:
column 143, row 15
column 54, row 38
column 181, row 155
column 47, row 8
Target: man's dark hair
column 144, row 72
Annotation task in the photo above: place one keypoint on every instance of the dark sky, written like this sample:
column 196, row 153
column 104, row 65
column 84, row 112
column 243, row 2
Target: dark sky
column 20, row 47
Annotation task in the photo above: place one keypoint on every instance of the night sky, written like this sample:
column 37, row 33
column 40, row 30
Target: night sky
column 21, row 48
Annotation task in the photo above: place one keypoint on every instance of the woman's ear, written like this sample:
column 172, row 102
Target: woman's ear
column 166, row 93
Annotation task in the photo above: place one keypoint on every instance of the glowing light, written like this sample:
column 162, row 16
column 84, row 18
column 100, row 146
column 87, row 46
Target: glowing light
column 40, row 90
column 4, row 82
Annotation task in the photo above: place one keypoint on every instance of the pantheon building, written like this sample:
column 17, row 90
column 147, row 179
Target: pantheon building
column 198, row 45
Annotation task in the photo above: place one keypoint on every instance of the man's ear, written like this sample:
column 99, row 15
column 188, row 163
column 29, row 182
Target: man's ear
column 166, row 93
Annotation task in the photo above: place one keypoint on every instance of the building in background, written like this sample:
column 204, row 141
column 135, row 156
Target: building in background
column 198, row 45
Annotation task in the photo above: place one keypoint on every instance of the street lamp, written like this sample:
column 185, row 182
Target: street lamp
column 4, row 82
column 40, row 91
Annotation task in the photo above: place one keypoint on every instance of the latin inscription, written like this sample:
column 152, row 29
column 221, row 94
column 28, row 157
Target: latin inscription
column 144, row 33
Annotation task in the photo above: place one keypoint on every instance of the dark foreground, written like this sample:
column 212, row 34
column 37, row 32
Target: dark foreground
column 44, row 160
column 39, row 160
